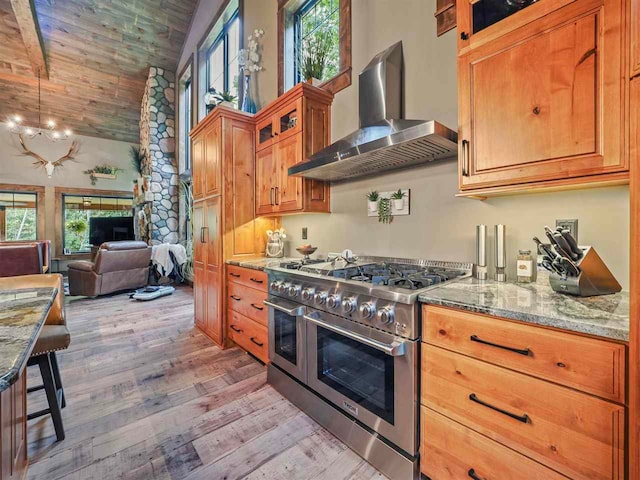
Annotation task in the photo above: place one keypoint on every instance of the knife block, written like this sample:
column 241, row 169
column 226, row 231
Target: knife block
column 594, row 279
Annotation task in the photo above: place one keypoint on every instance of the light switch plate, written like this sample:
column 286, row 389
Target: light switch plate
column 304, row 233
column 569, row 224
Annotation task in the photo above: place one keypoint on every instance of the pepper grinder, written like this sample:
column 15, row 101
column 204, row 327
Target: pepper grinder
column 481, row 252
column 501, row 254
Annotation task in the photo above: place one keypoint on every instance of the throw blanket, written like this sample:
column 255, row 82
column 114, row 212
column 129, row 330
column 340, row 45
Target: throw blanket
column 161, row 259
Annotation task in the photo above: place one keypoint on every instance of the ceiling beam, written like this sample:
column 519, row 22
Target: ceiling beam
column 25, row 13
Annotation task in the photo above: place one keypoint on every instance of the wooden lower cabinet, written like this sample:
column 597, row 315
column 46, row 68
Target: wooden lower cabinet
column 13, row 430
column 247, row 315
column 526, row 417
column 451, row 451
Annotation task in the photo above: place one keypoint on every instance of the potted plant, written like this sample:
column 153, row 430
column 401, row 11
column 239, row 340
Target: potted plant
column 102, row 171
column 77, row 227
column 313, row 56
column 398, row 199
column 384, row 211
column 137, row 159
column 372, row 202
column 225, row 99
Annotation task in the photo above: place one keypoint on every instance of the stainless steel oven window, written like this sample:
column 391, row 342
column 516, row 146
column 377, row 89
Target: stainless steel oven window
column 359, row 372
column 285, row 329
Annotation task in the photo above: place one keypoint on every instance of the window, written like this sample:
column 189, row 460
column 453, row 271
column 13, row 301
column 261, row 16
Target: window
column 77, row 212
column 317, row 26
column 304, row 25
column 18, row 216
column 185, row 117
column 222, row 59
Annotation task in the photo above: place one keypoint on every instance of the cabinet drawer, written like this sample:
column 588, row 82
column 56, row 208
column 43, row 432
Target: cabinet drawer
column 249, row 302
column 249, row 335
column 576, row 434
column 450, row 451
column 587, row 364
column 247, row 276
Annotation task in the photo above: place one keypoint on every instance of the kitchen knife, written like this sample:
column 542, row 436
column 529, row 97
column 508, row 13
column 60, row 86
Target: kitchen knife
column 549, row 233
column 548, row 264
column 567, row 266
column 545, row 249
column 571, row 241
column 564, row 245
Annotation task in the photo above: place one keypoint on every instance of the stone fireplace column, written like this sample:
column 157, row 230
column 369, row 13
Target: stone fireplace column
column 157, row 141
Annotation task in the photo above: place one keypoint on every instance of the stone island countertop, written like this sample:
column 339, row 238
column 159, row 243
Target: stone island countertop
column 22, row 315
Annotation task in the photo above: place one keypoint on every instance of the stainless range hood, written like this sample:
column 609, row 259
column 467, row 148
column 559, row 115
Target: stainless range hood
column 385, row 141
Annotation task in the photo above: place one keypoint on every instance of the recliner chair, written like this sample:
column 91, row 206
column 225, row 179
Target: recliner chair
column 117, row 266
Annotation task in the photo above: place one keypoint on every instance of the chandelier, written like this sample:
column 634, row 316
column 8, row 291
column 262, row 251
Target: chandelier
column 49, row 131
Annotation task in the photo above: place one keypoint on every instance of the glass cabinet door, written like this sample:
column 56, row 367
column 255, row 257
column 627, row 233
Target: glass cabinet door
column 265, row 133
column 487, row 12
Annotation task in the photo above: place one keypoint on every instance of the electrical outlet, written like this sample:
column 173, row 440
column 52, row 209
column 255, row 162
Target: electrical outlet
column 304, row 233
column 569, row 224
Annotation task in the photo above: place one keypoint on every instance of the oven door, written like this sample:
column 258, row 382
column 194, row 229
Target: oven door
column 369, row 374
column 287, row 337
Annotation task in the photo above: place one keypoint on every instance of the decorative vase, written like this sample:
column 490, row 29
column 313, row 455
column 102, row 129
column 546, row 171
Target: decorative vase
column 248, row 103
column 313, row 81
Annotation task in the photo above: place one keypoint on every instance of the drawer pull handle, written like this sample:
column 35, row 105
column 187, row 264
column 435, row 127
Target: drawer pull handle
column 472, row 473
column 256, row 342
column 257, row 307
column 237, row 299
column 255, row 280
column 521, row 418
column 235, row 329
column 234, row 275
column 522, row 351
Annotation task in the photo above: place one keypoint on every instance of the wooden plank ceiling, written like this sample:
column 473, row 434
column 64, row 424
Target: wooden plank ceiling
column 98, row 54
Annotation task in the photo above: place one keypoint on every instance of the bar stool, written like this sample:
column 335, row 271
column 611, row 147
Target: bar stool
column 54, row 336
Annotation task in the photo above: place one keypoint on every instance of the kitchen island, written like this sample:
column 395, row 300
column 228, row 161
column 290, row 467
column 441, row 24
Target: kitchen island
column 22, row 314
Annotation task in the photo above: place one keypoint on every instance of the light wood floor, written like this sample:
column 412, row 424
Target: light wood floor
column 150, row 397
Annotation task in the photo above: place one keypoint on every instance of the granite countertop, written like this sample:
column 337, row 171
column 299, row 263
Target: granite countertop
column 604, row 316
column 22, row 314
column 260, row 263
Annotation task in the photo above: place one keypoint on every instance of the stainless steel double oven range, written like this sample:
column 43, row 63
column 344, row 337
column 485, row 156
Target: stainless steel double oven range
column 344, row 347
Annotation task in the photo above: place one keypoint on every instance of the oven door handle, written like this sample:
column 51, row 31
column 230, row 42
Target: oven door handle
column 292, row 310
column 395, row 349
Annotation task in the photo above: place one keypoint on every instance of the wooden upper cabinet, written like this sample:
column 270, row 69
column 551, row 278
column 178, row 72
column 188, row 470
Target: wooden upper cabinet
column 288, row 131
column 635, row 37
column 545, row 103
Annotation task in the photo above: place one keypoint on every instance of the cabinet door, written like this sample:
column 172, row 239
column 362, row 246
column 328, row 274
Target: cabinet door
column 198, row 166
column 544, row 103
column 635, row 37
column 213, row 151
column 199, row 261
column 213, row 267
column 266, row 181
column 265, row 133
column 288, row 196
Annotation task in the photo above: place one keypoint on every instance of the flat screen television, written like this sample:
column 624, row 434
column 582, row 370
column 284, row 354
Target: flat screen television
column 109, row 229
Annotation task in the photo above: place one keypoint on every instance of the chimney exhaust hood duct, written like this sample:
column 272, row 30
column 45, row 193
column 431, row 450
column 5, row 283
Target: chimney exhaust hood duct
column 385, row 141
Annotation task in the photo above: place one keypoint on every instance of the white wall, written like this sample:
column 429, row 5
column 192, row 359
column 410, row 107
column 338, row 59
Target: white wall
column 19, row 169
column 440, row 226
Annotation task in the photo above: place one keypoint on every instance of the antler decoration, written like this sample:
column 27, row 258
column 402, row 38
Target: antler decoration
column 48, row 165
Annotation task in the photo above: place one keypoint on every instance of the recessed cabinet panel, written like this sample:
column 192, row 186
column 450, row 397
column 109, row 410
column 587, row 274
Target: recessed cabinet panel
column 213, row 155
column 635, row 37
column 197, row 162
column 536, row 101
column 266, row 181
column 289, row 193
